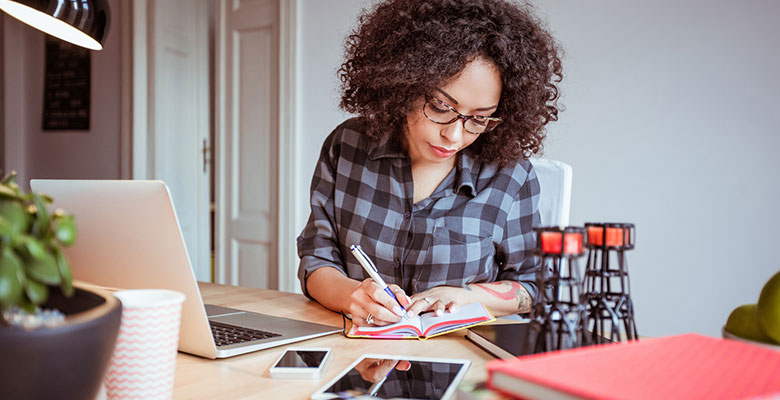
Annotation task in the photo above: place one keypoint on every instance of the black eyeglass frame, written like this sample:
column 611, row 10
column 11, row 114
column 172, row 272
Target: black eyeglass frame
column 464, row 117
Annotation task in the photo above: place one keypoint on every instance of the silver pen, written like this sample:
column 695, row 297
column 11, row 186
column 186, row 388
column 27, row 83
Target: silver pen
column 372, row 271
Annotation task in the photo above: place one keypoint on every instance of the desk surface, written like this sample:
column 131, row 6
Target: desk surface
column 246, row 376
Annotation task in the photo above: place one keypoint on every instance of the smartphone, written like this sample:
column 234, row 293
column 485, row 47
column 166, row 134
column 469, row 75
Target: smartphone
column 301, row 363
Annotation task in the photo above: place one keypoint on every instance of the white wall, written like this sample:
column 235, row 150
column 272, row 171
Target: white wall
column 671, row 123
column 323, row 27
column 35, row 153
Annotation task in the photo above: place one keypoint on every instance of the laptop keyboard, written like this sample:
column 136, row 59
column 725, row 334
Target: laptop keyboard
column 225, row 334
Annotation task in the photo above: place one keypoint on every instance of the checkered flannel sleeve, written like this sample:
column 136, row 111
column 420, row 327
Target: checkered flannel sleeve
column 318, row 244
column 515, row 252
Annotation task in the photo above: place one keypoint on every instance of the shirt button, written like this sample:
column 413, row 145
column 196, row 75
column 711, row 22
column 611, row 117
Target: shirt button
column 397, row 262
column 407, row 214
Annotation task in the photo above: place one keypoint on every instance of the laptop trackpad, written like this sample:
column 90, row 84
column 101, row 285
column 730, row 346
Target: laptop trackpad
column 218, row 311
column 268, row 323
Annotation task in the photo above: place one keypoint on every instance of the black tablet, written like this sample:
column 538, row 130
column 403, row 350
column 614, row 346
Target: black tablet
column 500, row 340
column 396, row 377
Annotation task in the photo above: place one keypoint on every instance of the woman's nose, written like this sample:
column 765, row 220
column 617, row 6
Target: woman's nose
column 454, row 131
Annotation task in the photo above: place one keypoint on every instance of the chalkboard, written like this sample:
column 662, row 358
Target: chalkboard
column 66, row 86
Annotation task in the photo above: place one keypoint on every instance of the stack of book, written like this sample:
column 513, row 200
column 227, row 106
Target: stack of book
column 687, row 366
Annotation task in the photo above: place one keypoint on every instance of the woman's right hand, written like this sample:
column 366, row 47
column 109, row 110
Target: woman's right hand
column 375, row 369
column 368, row 299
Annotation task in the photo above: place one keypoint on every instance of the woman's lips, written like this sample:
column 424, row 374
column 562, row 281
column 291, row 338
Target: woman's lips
column 442, row 152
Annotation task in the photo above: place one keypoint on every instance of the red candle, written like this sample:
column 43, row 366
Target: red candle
column 551, row 242
column 573, row 243
column 614, row 236
column 595, row 235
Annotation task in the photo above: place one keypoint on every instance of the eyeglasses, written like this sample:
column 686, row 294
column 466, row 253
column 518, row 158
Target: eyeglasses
column 444, row 114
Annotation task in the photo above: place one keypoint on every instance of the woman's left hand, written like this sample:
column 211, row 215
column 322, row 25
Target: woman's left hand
column 438, row 300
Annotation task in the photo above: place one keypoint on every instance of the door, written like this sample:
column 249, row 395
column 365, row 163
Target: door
column 171, row 113
column 247, row 157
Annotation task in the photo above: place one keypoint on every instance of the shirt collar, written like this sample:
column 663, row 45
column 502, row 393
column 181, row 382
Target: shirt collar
column 385, row 147
column 466, row 173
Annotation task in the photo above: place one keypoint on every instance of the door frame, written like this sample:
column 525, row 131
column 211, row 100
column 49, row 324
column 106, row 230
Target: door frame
column 289, row 70
column 135, row 123
column 135, row 16
column 126, row 90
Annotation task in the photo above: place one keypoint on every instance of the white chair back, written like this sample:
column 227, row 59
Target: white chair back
column 555, row 195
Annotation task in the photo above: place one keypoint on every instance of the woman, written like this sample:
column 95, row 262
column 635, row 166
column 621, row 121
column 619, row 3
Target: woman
column 431, row 178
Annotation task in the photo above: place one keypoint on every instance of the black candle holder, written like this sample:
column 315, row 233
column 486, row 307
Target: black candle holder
column 610, row 311
column 558, row 315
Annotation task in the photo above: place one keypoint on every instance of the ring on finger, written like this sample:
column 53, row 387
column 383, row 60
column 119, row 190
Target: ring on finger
column 428, row 300
column 370, row 319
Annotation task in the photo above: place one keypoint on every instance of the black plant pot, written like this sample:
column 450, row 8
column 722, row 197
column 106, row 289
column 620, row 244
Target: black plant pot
column 64, row 362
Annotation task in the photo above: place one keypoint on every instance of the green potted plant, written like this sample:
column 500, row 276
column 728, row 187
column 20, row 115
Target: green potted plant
column 56, row 339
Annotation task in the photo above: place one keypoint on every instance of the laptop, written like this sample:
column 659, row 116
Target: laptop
column 128, row 237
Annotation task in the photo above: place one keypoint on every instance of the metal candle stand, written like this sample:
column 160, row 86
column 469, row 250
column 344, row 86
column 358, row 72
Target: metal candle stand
column 610, row 311
column 557, row 317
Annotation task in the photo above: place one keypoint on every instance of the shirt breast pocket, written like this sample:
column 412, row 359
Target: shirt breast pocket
column 456, row 258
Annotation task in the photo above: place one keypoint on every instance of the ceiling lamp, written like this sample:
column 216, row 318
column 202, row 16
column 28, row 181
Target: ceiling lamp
column 81, row 22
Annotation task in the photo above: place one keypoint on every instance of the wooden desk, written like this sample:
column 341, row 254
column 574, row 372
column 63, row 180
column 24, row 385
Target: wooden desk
column 246, row 376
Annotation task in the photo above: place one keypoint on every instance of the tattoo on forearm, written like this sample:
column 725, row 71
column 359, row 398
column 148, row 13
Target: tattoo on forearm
column 523, row 299
column 513, row 290
column 507, row 295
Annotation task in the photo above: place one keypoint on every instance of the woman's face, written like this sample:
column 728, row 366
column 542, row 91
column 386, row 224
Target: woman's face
column 476, row 91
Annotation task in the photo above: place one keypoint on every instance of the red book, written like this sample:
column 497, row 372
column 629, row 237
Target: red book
column 675, row 367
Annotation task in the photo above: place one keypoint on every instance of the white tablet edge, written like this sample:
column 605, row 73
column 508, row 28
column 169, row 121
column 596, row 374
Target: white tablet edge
column 465, row 364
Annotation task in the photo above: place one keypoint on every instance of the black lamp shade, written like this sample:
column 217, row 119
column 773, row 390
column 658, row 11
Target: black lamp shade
column 81, row 22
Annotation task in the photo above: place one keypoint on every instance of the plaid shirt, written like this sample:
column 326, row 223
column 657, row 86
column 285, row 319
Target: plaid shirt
column 475, row 227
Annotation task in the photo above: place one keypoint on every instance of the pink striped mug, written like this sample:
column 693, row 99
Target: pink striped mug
column 144, row 359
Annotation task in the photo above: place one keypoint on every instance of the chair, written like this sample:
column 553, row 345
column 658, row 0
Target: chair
column 555, row 196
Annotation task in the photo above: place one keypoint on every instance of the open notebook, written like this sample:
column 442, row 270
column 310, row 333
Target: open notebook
column 426, row 325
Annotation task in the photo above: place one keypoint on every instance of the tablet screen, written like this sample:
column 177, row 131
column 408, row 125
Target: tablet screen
column 397, row 377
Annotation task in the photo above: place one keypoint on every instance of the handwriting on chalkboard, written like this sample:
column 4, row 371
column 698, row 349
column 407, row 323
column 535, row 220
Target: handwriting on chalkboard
column 66, row 87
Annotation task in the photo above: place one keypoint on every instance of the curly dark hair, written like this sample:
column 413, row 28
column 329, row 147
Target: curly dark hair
column 403, row 50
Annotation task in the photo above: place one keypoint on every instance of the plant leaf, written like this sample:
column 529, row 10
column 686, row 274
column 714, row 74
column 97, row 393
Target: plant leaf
column 7, row 191
column 34, row 248
column 41, row 215
column 45, row 270
column 37, row 292
column 65, row 230
column 16, row 215
column 41, row 265
column 11, row 278
column 67, row 277
column 6, row 228
column 10, row 178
